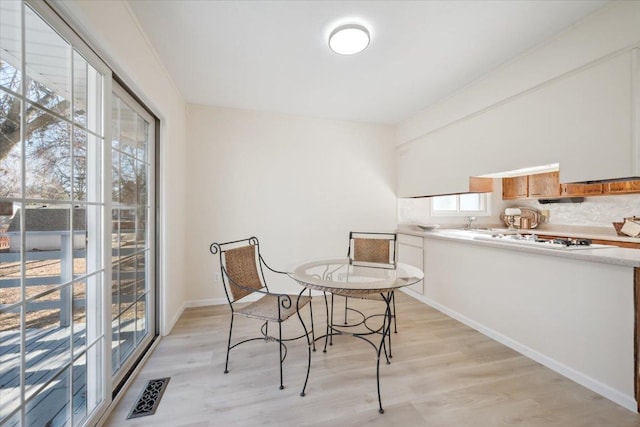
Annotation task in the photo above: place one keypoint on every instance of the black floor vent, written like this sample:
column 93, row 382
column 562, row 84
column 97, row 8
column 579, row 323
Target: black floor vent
column 149, row 399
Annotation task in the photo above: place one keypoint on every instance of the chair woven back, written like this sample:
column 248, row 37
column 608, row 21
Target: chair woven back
column 371, row 250
column 241, row 267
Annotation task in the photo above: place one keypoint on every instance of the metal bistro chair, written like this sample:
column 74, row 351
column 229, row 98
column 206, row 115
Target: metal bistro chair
column 241, row 265
column 371, row 249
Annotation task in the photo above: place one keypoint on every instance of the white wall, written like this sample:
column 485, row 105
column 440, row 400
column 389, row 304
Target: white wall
column 572, row 100
column 298, row 184
column 112, row 30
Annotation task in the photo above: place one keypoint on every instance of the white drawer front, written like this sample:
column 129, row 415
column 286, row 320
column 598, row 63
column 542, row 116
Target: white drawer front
column 408, row 239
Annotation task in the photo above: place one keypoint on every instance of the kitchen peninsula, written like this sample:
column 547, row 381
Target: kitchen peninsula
column 574, row 311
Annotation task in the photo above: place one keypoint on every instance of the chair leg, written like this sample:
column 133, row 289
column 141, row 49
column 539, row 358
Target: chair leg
column 226, row 363
column 331, row 323
column 389, row 332
column 393, row 314
column 280, row 345
column 346, row 301
column 313, row 334
column 326, row 335
column 313, row 337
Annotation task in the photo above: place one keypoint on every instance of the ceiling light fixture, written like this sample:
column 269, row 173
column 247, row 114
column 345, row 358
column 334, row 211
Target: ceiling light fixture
column 349, row 39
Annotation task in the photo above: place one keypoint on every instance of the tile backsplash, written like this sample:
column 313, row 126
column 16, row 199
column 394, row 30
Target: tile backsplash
column 594, row 211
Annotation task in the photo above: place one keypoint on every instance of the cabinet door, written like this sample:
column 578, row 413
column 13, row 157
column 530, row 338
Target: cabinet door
column 544, row 184
column 622, row 187
column 516, row 187
column 576, row 190
column 410, row 251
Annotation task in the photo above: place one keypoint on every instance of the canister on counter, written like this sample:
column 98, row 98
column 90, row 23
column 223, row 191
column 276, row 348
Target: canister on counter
column 525, row 223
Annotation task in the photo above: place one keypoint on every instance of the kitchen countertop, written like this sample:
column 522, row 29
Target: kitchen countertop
column 614, row 255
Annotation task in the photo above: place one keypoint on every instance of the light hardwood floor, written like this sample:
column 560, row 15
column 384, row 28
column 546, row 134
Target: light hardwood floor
column 442, row 374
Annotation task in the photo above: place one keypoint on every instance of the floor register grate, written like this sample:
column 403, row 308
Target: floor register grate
column 149, row 399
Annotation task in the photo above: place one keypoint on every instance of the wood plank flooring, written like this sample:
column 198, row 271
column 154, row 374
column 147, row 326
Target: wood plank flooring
column 442, row 374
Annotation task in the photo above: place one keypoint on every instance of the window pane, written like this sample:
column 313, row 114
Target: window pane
column 10, row 147
column 127, row 333
column 128, row 181
column 10, row 259
column 79, row 390
column 127, row 282
column 115, row 311
column 115, row 177
column 79, row 241
column 47, row 156
column 141, row 175
column 48, row 65
column 444, row 203
column 80, row 76
column 48, row 244
column 9, row 361
column 51, row 406
column 93, row 386
column 470, row 202
column 141, row 285
column 47, row 334
column 79, row 164
column 79, row 317
column 141, row 319
column 10, row 45
column 128, row 134
column 142, row 129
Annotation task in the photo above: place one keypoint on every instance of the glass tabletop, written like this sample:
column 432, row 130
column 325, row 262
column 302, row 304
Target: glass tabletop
column 341, row 277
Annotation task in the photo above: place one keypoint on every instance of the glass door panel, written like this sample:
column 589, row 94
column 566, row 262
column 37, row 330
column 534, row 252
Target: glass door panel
column 133, row 244
column 52, row 267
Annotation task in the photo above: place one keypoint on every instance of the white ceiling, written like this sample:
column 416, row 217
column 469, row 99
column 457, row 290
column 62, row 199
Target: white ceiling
column 273, row 55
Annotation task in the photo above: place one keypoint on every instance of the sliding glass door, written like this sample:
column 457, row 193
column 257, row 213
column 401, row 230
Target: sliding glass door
column 77, row 289
column 132, row 285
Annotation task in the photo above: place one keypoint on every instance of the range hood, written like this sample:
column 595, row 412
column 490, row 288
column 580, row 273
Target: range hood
column 561, row 200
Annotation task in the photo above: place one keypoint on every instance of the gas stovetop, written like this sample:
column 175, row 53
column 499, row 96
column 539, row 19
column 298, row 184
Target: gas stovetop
column 533, row 240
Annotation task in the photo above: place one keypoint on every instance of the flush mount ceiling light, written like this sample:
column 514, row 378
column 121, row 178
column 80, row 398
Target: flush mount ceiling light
column 349, row 39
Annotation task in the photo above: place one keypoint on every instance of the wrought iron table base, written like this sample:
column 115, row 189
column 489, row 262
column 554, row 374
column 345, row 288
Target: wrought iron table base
column 384, row 331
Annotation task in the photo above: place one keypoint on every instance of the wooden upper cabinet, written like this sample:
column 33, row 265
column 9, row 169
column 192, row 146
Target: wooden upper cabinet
column 544, row 184
column 580, row 190
column 516, row 187
column 622, row 187
column 480, row 185
column 547, row 185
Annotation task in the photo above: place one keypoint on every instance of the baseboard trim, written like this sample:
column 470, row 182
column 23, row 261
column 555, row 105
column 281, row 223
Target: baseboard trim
column 612, row 394
column 168, row 327
column 205, row 302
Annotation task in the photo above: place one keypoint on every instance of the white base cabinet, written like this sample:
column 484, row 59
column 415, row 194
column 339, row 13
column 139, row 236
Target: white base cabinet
column 411, row 251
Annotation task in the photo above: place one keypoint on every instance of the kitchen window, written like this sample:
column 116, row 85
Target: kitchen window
column 477, row 204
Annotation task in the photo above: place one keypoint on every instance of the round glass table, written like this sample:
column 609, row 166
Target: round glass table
column 339, row 276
